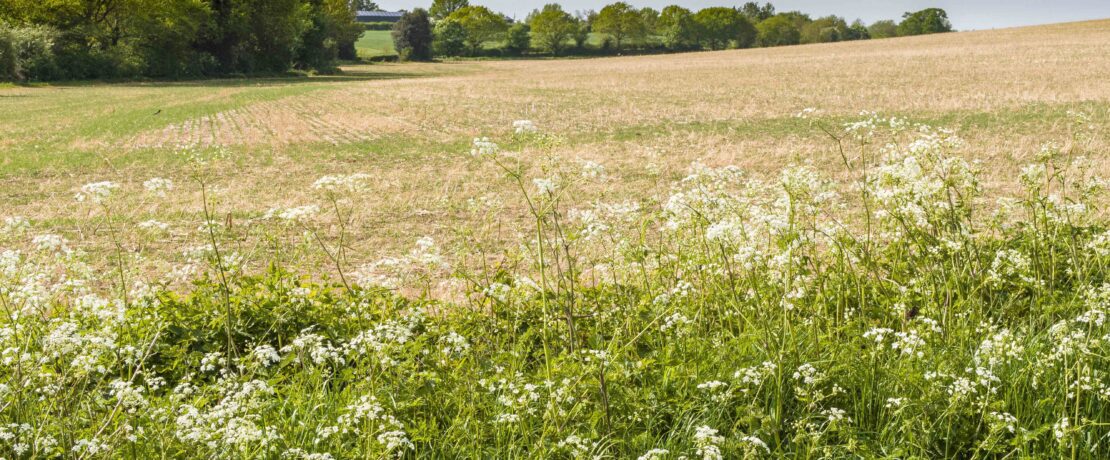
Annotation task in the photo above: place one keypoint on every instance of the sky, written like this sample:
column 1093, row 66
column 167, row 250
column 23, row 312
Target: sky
column 964, row 14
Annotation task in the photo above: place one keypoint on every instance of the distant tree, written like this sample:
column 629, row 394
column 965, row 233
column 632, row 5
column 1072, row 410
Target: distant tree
column 857, row 31
column 481, row 24
column 552, row 27
column 927, row 21
column 756, row 13
column 333, row 33
column 581, row 33
column 518, row 40
column 883, row 29
column 440, row 9
column 720, row 26
column 365, row 5
column 412, row 36
column 450, row 38
column 824, row 30
column 650, row 17
column 678, row 28
column 621, row 22
column 778, row 30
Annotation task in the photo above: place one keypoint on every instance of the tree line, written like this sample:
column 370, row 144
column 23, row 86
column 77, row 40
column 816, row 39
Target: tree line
column 82, row 39
column 98, row 39
column 456, row 28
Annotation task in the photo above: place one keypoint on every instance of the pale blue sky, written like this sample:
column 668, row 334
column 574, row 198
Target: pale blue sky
column 965, row 14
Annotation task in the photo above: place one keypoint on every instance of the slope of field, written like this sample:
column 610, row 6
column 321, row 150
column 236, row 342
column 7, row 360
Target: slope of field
column 646, row 118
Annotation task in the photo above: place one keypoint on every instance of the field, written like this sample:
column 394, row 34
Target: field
column 779, row 251
column 375, row 43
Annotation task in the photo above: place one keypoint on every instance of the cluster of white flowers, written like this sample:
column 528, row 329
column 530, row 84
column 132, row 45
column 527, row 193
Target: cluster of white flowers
column 546, row 186
column 424, row 261
column 483, row 147
column 524, row 127
column 15, row 225
column 158, row 186
column 707, row 442
column 579, row 448
column 295, row 214
column 342, row 183
column 96, row 192
column 234, row 421
column 654, row 454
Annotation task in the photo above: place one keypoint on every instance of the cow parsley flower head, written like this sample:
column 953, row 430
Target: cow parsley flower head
column 96, row 192
column 545, row 186
column 350, row 183
column 483, row 147
column 524, row 127
column 158, row 186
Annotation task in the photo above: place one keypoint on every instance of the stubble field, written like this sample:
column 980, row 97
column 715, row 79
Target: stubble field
column 880, row 249
column 645, row 118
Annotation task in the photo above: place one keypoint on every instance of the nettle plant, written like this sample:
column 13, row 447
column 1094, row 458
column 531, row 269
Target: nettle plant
column 896, row 312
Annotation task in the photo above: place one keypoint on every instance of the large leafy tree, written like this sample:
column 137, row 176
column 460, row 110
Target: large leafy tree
column 678, row 28
column 440, row 9
column 926, row 21
column 552, row 27
column 518, row 39
column 778, row 30
column 412, row 36
column 823, row 30
column 720, row 26
column 482, row 25
column 883, row 29
column 621, row 22
column 450, row 38
column 756, row 13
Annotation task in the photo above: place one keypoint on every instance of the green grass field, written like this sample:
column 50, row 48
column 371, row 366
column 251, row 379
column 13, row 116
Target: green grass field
column 878, row 249
column 375, row 43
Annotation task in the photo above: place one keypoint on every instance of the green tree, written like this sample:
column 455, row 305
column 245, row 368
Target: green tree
column 778, row 30
column 581, row 33
column 481, row 24
column 518, row 39
column 450, row 38
column 364, row 5
column 883, row 29
column 720, row 26
column 824, row 30
column 552, row 27
column 756, row 13
column 412, row 36
column 857, row 31
column 332, row 34
column 650, row 18
column 927, row 21
column 440, row 9
column 621, row 22
column 678, row 28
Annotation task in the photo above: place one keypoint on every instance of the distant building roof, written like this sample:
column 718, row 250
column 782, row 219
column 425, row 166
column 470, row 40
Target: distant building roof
column 378, row 16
